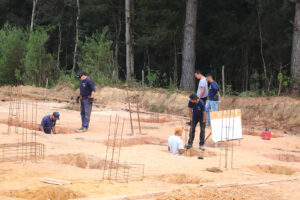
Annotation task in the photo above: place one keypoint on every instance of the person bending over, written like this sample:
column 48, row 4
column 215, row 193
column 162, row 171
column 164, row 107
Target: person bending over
column 48, row 123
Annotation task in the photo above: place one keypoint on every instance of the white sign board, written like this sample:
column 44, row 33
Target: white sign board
column 226, row 125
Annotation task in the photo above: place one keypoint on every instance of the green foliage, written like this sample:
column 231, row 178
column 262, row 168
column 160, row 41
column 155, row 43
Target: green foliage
column 39, row 65
column 66, row 78
column 12, row 48
column 254, row 81
column 96, row 58
column 152, row 77
column 228, row 89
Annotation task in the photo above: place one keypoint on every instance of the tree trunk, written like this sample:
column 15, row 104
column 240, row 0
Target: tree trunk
column 131, row 38
column 295, row 60
column 34, row 2
column 267, row 81
column 127, row 40
column 59, row 47
column 188, row 55
column 77, row 37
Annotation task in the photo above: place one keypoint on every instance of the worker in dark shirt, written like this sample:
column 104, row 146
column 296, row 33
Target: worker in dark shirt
column 197, row 114
column 86, row 96
column 213, row 97
column 48, row 123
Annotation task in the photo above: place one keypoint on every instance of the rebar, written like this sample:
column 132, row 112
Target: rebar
column 23, row 114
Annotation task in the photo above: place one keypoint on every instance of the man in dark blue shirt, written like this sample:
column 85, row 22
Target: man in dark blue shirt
column 87, row 93
column 197, row 114
column 213, row 97
column 48, row 123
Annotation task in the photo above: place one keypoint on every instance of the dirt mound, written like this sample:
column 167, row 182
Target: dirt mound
column 80, row 160
column 46, row 193
column 214, row 169
column 273, row 169
column 182, row 179
column 155, row 120
column 127, row 142
column 285, row 157
column 197, row 152
column 210, row 193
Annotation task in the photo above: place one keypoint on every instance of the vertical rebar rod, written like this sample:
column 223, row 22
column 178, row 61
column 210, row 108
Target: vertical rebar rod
column 220, row 160
column 120, row 146
column 114, row 144
column 130, row 114
column 233, row 125
column 107, row 147
column 138, row 112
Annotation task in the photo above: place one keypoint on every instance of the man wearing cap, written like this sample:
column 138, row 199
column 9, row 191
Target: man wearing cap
column 48, row 123
column 87, row 93
column 202, row 91
column 175, row 144
column 197, row 114
column 213, row 97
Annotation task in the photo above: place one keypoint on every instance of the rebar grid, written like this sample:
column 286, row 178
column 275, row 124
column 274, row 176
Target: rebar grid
column 228, row 125
column 22, row 115
column 20, row 152
column 113, row 170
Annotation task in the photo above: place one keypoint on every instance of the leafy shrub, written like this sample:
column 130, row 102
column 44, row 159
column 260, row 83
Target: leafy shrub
column 96, row 58
column 12, row 49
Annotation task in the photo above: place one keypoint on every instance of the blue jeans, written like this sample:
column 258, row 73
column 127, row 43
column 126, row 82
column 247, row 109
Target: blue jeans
column 86, row 109
column 210, row 105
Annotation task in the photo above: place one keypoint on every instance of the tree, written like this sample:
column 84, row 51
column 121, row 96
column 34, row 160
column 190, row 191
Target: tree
column 96, row 57
column 34, row 3
column 295, row 60
column 188, row 55
column 77, row 38
column 12, row 49
column 128, row 40
column 38, row 64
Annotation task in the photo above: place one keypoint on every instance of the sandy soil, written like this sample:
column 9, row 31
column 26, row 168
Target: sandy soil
column 268, row 169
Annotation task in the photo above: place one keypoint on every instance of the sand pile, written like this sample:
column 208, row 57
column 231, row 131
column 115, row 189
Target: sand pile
column 46, row 193
column 182, row 179
column 274, row 169
column 197, row 152
column 285, row 157
column 81, row 160
column 237, row 193
column 127, row 142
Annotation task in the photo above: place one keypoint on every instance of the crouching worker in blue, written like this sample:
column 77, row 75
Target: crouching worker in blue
column 197, row 114
column 48, row 123
column 86, row 96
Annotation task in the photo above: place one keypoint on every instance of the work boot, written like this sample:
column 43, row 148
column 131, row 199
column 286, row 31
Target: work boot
column 84, row 129
column 188, row 146
column 80, row 129
column 202, row 147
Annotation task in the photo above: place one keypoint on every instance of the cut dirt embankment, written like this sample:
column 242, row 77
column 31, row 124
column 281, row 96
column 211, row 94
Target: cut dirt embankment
column 273, row 112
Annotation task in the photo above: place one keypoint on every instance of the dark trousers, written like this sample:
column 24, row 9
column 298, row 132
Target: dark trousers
column 86, row 109
column 193, row 129
column 204, row 100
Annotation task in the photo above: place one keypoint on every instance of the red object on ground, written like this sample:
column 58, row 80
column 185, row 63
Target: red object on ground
column 266, row 135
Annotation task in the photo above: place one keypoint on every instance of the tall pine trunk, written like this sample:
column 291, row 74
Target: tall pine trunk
column 188, row 55
column 295, row 60
column 77, row 38
column 34, row 2
column 128, row 38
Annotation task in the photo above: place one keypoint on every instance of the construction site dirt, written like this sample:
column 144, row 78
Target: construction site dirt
column 262, row 169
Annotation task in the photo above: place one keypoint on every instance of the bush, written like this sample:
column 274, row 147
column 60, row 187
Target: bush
column 96, row 58
column 39, row 65
column 12, row 49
